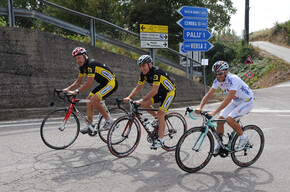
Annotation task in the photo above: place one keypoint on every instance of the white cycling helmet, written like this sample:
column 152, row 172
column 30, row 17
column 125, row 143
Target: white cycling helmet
column 220, row 65
column 144, row 59
column 79, row 51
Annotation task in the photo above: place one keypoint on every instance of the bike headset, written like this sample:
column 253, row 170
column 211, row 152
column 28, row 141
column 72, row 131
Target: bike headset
column 219, row 66
column 144, row 59
column 80, row 51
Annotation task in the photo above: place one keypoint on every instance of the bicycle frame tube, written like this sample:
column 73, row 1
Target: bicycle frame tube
column 201, row 136
column 67, row 115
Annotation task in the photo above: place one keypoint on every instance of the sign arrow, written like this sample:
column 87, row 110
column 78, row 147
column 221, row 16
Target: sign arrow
column 187, row 11
column 189, row 34
column 192, row 23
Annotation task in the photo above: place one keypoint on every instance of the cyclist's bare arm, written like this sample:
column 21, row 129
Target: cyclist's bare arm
column 225, row 102
column 75, row 84
column 88, row 83
column 204, row 100
column 134, row 93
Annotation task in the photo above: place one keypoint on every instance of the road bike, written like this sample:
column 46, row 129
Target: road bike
column 125, row 133
column 195, row 148
column 61, row 127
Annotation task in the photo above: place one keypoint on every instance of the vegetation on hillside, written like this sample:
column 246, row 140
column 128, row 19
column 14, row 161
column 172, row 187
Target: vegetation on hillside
column 129, row 14
column 279, row 34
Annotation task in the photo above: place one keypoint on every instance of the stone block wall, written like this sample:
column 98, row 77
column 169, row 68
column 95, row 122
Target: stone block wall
column 34, row 62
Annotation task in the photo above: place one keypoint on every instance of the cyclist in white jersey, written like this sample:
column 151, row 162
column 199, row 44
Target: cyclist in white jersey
column 238, row 102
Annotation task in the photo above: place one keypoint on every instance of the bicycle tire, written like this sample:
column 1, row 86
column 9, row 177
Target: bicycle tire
column 115, row 113
column 50, row 131
column 175, row 127
column 188, row 159
column 251, row 153
column 123, row 136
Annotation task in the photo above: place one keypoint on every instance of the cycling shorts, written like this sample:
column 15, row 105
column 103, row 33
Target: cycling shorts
column 238, row 109
column 103, row 91
column 165, row 100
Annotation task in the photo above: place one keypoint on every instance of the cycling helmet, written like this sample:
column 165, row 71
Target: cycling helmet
column 219, row 66
column 79, row 51
column 144, row 59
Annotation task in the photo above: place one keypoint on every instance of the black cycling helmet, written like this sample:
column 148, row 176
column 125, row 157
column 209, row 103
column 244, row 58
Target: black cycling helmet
column 79, row 51
column 144, row 59
column 220, row 65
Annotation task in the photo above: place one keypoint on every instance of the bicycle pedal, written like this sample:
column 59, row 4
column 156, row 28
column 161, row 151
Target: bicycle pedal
column 154, row 148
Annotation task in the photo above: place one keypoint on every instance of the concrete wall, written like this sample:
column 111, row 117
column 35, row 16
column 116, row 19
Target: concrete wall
column 33, row 63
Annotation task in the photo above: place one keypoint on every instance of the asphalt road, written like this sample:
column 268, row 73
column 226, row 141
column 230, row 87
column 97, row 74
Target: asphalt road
column 26, row 164
column 281, row 52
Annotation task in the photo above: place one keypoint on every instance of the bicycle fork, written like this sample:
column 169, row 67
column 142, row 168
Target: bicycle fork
column 66, row 117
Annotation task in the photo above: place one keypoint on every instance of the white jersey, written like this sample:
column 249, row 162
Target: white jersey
column 233, row 82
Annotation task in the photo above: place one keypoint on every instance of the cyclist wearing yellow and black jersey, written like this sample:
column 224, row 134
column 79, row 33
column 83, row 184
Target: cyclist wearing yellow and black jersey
column 163, row 90
column 102, row 74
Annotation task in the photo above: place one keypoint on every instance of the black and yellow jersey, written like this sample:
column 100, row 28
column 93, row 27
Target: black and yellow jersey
column 101, row 73
column 157, row 76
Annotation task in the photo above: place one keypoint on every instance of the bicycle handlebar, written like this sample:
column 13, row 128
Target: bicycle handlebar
column 203, row 113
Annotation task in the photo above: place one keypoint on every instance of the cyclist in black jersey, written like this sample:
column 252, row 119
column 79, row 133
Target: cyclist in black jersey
column 101, row 74
column 163, row 90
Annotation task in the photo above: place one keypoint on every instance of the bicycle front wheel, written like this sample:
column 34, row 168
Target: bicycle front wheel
column 253, row 149
column 55, row 133
column 123, row 136
column 194, row 149
column 175, row 127
column 115, row 113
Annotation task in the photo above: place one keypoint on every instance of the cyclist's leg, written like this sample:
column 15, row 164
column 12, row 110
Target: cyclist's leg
column 165, row 104
column 240, row 110
column 148, row 104
column 90, row 110
column 101, row 92
column 223, row 115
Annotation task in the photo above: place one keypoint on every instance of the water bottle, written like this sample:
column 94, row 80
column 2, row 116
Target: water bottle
column 146, row 123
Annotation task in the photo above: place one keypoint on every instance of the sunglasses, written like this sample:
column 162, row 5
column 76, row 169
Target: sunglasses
column 219, row 73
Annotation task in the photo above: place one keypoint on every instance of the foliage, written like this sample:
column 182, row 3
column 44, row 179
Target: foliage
column 279, row 34
column 2, row 22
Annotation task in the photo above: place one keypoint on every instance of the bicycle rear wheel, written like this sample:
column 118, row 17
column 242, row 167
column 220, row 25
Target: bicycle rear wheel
column 175, row 127
column 189, row 155
column 123, row 136
column 115, row 113
column 57, row 135
column 253, row 150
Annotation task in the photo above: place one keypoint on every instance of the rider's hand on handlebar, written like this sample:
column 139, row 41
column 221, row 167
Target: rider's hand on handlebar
column 72, row 92
column 65, row 90
column 127, row 99
column 198, row 110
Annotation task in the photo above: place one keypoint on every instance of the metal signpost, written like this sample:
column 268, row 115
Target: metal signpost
column 195, row 34
column 153, row 36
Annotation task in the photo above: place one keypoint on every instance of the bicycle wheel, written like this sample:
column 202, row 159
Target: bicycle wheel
column 253, row 150
column 189, row 155
column 115, row 113
column 57, row 135
column 175, row 127
column 123, row 136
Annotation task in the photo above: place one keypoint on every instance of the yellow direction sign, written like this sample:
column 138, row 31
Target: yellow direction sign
column 153, row 28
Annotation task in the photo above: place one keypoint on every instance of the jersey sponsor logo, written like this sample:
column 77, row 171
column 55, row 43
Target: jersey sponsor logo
column 107, row 74
column 168, row 85
column 167, row 102
column 245, row 90
column 90, row 70
column 155, row 77
column 106, row 89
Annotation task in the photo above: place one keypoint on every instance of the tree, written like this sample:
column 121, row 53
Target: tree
column 163, row 12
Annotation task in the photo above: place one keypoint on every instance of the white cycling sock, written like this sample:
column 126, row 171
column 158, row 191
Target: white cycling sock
column 162, row 140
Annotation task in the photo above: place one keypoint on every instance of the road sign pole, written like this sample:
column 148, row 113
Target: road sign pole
column 187, row 66
column 204, row 75
column 152, row 54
